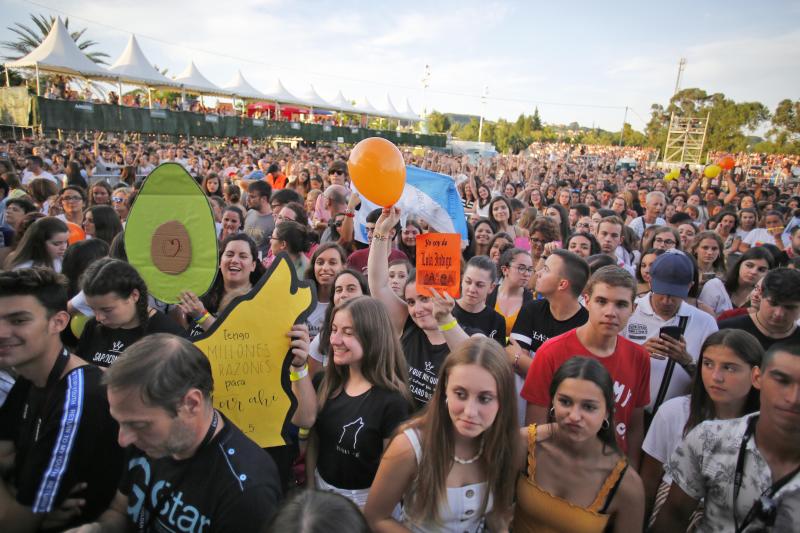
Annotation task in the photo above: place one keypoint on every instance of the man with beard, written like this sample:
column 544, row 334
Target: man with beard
column 188, row 467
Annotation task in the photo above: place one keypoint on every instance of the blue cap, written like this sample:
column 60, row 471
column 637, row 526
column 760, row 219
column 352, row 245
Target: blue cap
column 672, row 273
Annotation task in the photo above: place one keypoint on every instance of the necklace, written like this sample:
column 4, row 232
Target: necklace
column 778, row 335
column 472, row 459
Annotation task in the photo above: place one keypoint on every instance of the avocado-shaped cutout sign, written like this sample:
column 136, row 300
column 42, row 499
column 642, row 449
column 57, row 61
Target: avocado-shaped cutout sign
column 170, row 234
column 250, row 353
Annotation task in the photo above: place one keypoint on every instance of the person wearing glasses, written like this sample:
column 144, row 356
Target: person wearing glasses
column 73, row 202
column 747, row 470
column 560, row 282
column 516, row 269
column 665, row 238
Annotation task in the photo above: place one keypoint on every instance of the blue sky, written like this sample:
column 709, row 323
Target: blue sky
column 597, row 57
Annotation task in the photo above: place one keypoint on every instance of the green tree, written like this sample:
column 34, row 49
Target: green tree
column 29, row 39
column 438, row 122
column 787, row 118
column 537, row 120
column 728, row 120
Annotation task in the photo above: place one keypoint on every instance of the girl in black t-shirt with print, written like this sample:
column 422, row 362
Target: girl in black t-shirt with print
column 362, row 397
column 425, row 324
column 118, row 296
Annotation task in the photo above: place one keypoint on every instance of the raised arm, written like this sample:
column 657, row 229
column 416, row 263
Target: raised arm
column 378, row 269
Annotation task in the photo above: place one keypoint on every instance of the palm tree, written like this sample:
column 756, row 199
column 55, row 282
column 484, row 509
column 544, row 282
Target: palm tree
column 29, row 39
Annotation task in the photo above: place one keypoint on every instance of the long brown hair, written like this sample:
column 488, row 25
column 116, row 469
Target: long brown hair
column 383, row 363
column 500, row 441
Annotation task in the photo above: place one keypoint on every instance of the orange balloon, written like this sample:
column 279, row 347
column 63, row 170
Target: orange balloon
column 377, row 169
column 76, row 233
column 727, row 163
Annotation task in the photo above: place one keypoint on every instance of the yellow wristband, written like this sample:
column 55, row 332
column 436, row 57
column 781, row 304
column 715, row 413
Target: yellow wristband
column 203, row 318
column 300, row 374
column 303, row 433
column 450, row 325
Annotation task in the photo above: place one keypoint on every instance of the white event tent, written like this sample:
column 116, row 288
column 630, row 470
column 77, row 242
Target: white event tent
column 133, row 67
column 192, row 80
column 340, row 103
column 240, row 87
column 59, row 54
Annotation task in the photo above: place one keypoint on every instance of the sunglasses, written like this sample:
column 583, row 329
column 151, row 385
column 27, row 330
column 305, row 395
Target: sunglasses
column 117, row 199
column 338, row 172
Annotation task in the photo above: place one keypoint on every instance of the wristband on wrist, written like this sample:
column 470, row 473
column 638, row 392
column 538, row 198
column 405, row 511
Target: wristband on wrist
column 203, row 318
column 379, row 237
column 450, row 325
column 300, row 374
column 349, row 213
column 302, row 433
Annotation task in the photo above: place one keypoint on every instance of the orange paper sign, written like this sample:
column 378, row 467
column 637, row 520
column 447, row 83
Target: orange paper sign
column 439, row 263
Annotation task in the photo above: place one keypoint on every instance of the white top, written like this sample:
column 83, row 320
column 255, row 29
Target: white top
column 759, row 236
column 315, row 354
column 28, row 177
column 29, row 264
column 460, row 513
column 639, row 225
column 715, row 296
column 666, row 430
column 644, row 324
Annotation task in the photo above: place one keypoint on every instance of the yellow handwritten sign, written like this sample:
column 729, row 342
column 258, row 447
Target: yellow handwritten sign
column 439, row 263
column 249, row 353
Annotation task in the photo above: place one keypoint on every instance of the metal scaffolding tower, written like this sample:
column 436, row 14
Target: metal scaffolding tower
column 685, row 139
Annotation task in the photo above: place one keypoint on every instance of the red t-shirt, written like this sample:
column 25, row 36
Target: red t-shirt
column 629, row 367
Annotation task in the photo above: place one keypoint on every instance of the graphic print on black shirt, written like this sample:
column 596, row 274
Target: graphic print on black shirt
column 102, row 346
column 536, row 324
column 424, row 360
column 488, row 321
column 351, row 431
column 229, row 485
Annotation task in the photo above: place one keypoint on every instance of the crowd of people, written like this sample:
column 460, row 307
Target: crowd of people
column 624, row 353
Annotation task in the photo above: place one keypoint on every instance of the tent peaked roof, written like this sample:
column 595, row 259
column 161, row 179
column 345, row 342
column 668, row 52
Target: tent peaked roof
column 242, row 88
column 59, row 53
column 313, row 99
column 389, row 109
column 340, row 103
column 134, row 67
column 278, row 93
column 192, row 80
column 408, row 113
column 368, row 109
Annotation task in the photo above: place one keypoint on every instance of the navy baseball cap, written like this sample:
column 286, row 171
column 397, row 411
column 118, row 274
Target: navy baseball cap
column 672, row 273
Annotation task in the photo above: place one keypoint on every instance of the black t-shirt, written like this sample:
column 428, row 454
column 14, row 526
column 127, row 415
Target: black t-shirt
column 488, row 321
column 744, row 322
column 535, row 324
column 76, row 441
column 102, row 346
column 230, row 484
column 351, row 431
column 424, row 360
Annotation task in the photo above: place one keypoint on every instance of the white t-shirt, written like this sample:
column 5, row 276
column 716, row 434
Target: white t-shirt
column 639, row 225
column 29, row 176
column 715, row 296
column 644, row 324
column 759, row 236
column 666, row 430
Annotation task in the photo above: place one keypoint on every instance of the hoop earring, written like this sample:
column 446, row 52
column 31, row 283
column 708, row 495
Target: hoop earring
column 606, row 424
column 552, row 412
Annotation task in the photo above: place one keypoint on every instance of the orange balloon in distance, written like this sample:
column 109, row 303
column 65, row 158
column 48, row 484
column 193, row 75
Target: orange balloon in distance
column 377, row 169
column 726, row 163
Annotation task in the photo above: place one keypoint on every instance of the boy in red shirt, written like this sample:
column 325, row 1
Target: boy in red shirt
column 609, row 299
